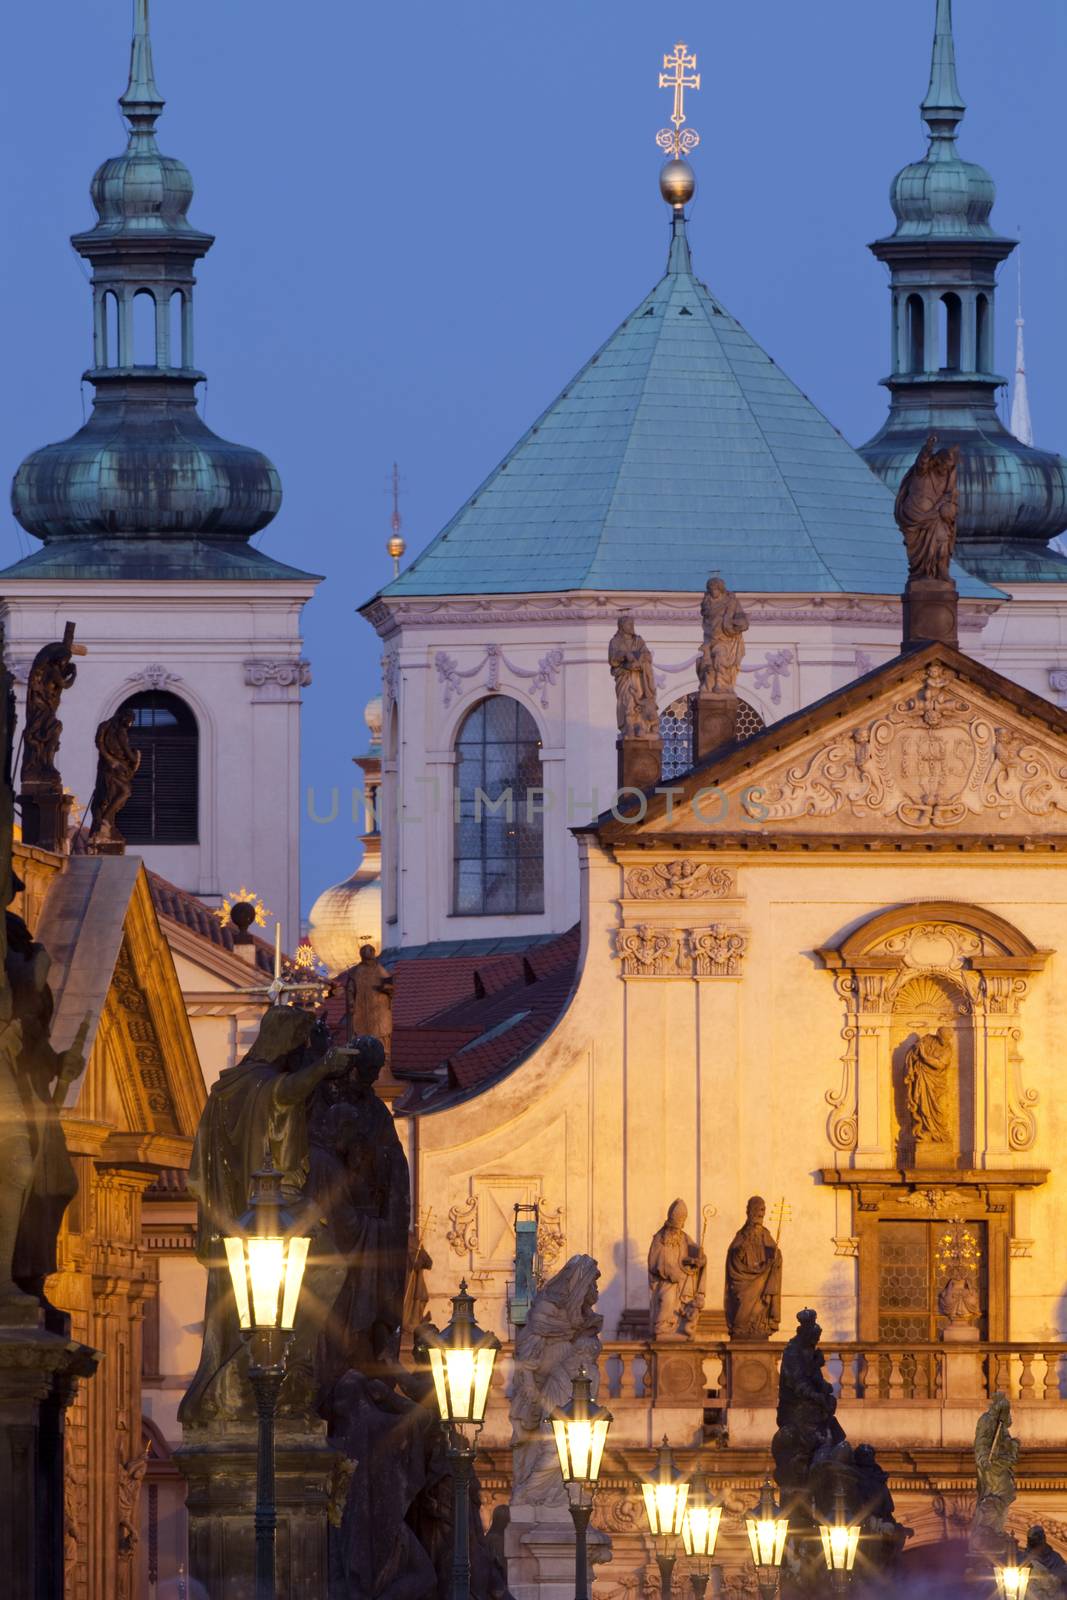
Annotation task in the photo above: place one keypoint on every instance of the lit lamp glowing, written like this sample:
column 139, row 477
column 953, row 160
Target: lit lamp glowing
column 700, row 1532
column 840, row 1541
column 1013, row 1578
column 580, row 1429
column 665, row 1494
column 266, row 1258
column 767, row 1531
column 462, row 1357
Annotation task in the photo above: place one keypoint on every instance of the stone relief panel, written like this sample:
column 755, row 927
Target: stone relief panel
column 650, row 952
column 936, row 759
column 482, row 1225
column 486, row 673
column 717, row 951
column 680, row 880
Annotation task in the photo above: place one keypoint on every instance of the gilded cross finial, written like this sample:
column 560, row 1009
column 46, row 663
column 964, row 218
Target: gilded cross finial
column 678, row 74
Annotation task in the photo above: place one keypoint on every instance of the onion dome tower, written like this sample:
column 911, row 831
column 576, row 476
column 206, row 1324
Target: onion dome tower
column 943, row 257
column 145, row 481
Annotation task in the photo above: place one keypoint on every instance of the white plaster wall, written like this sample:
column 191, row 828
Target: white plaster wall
column 203, row 636
column 714, row 1089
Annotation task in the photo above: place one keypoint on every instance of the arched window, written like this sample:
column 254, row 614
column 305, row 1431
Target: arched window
column 676, row 728
column 499, row 856
column 164, row 806
column 985, row 354
column 175, row 335
column 144, row 329
column 916, row 334
column 951, row 332
column 111, row 330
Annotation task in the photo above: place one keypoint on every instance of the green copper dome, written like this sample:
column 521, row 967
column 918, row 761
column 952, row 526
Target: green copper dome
column 145, row 466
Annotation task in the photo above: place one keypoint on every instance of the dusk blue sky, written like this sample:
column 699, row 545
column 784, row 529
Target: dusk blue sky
column 429, row 216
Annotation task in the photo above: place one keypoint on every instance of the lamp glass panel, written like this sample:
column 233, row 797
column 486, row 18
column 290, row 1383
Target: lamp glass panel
column 700, row 1529
column 459, row 1367
column 296, row 1260
column 484, row 1362
column 596, row 1453
column 437, row 1372
column 266, row 1270
column 559, row 1433
column 235, row 1260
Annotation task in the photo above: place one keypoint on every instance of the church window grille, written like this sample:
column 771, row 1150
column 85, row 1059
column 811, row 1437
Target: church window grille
column 164, row 805
column 498, row 857
column 912, row 1274
column 676, row 730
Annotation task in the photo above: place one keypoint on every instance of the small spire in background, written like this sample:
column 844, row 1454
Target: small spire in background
column 1021, row 425
column 395, row 543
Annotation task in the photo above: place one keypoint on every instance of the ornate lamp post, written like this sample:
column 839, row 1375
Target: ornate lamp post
column 767, row 1530
column 462, row 1357
column 266, row 1259
column 581, row 1431
column 700, row 1530
column 665, row 1494
column 1012, row 1577
column 840, row 1540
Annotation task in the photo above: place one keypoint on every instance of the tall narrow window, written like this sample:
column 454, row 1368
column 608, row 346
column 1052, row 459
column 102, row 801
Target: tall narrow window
column 111, row 330
column 164, row 806
column 985, row 353
column 144, row 329
column 952, row 331
column 176, row 311
column 916, row 334
column 498, row 858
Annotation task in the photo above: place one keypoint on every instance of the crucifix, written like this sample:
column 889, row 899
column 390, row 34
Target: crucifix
column 678, row 75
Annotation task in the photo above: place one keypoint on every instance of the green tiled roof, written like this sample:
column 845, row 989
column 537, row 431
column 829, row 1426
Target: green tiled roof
column 680, row 448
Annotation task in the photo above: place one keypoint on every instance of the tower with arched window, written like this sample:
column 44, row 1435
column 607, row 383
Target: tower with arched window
column 145, row 517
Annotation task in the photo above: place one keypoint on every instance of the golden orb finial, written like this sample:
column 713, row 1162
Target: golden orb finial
column 677, row 180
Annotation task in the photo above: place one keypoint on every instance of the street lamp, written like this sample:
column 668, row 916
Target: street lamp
column 767, row 1530
column 840, row 1540
column 581, row 1431
column 1012, row 1577
column 266, row 1258
column 665, row 1493
column 700, row 1530
column 461, row 1364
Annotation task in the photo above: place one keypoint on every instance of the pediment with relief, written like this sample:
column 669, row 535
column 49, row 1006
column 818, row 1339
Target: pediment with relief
column 936, row 753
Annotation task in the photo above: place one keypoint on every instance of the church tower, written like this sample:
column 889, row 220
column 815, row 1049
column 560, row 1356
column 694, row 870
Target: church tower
column 145, row 517
column 943, row 258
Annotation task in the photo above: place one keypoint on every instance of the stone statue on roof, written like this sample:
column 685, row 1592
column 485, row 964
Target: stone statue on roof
column 676, row 1269
column 369, row 999
column 725, row 625
column 927, row 508
column 117, row 765
column 52, row 673
column 630, row 659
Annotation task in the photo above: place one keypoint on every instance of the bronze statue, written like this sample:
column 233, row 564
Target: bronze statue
column 1048, row 1570
column 725, row 625
column 52, row 672
column 117, row 764
column 560, row 1335
column 369, row 999
column 676, row 1268
column 806, row 1417
column 630, row 660
column 927, row 1066
column 256, row 1110
column 753, row 1298
column 37, row 1180
column 927, row 507
column 358, row 1176
column 996, row 1457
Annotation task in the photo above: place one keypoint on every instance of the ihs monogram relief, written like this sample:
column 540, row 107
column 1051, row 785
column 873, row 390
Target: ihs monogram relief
column 933, row 760
column 680, row 880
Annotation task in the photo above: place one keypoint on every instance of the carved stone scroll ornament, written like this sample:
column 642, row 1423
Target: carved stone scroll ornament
column 648, row 952
column 717, row 951
column 931, row 761
column 463, row 1232
column 550, row 1235
column 286, row 674
column 153, row 676
column 680, row 880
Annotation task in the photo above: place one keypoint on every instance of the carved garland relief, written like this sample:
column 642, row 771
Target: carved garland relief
column 930, row 762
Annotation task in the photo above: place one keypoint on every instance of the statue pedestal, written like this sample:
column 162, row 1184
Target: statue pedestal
column 539, row 1544
column 931, row 611
column 220, row 1476
column 640, row 762
column 753, row 1372
column 38, row 1372
column 964, row 1380
column 714, row 722
column 45, row 816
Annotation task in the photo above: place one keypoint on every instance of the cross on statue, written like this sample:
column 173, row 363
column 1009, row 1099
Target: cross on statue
column 676, row 67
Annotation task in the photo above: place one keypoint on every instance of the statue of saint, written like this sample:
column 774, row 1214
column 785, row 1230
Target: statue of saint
column 561, row 1334
column 369, row 999
column 806, row 1417
column 359, row 1177
column 753, row 1298
column 52, row 672
column 996, row 1457
column 725, row 625
column 927, row 508
column 927, row 1066
column 116, row 765
column 37, row 1180
column 676, row 1268
column 630, row 660
column 255, row 1110
column 959, row 1302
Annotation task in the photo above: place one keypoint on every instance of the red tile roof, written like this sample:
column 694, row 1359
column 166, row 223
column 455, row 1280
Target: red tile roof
column 181, row 906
